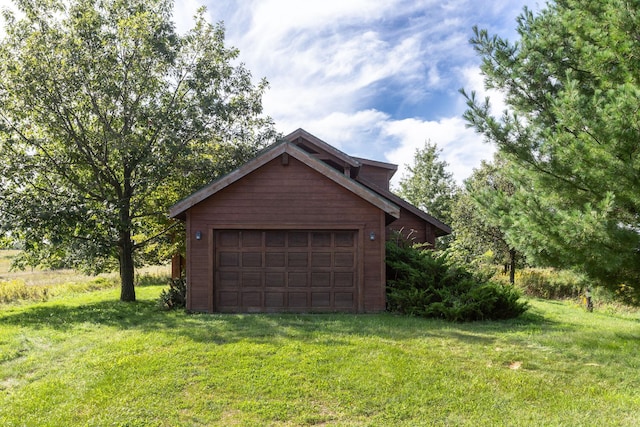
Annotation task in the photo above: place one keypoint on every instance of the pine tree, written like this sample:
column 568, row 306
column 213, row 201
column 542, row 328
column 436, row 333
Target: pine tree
column 572, row 85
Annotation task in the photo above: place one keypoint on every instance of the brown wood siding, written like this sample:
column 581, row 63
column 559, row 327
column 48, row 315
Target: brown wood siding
column 413, row 227
column 376, row 175
column 289, row 197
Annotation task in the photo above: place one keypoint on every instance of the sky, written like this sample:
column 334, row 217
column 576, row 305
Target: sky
column 374, row 78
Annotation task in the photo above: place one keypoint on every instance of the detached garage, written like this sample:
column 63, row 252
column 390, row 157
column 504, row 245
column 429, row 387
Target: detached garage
column 294, row 230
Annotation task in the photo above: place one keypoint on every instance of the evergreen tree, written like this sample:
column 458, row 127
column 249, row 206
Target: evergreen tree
column 429, row 185
column 572, row 84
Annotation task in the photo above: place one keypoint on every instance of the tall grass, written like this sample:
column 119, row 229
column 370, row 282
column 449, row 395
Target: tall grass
column 42, row 285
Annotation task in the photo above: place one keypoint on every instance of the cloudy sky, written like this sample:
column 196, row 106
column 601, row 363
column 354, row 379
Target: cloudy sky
column 375, row 78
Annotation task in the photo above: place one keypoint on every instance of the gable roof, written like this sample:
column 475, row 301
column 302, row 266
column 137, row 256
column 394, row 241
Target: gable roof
column 285, row 147
column 392, row 167
column 301, row 134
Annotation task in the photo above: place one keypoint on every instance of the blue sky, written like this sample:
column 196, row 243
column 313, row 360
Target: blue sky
column 375, row 78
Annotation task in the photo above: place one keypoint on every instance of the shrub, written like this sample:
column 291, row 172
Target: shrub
column 176, row 296
column 423, row 283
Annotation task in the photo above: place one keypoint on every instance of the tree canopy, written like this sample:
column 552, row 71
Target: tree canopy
column 107, row 117
column 429, row 185
column 477, row 215
column 572, row 85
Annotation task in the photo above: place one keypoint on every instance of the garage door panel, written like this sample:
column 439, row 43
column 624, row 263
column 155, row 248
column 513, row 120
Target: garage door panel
column 298, row 239
column 344, row 279
column 228, row 298
column 344, row 299
column 251, row 238
column 229, row 278
column 251, row 279
column 228, row 239
column 275, row 279
column 321, row 279
column 297, row 279
column 275, row 239
column 252, row 259
column 298, row 300
column 229, row 259
column 275, row 259
column 274, row 299
column 252, row 299
column 298, row 259
column 321, row 259
column 285, row 270
column 320, row 299
column 321, row 239
column 344, row 239
column 344, row 259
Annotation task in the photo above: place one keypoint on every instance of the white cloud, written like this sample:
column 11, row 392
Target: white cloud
column 461, row 147
column 328, row 63
column 473, row 81
column 184, row 11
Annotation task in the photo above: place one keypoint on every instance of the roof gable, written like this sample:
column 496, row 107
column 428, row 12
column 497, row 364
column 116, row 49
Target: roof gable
column 315, row 146
column 279, row 149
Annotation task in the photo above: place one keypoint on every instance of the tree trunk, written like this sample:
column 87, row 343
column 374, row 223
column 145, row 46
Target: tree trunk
column 127, row 272
column 512, row 262
column 125, row 248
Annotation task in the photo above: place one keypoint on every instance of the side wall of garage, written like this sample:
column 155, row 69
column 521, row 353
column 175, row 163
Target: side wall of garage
column 286, row 198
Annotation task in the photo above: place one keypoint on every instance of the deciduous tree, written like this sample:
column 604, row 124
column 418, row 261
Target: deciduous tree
column 107, row 117
column 477, row 218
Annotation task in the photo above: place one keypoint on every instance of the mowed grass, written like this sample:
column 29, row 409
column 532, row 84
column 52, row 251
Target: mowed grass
column 90, row 360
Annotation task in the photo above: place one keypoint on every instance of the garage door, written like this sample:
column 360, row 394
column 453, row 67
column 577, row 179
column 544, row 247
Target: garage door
column 285, row 270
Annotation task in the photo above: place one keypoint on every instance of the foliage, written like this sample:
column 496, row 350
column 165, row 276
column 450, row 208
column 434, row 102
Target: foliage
column 478, row 238
column 423, row 283
column 549, row 283
column 176, row 296
column 572, row 86
column 429, row 185
column 107, row 117
column 88, row 360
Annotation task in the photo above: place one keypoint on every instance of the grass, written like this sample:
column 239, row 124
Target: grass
column 90, row 360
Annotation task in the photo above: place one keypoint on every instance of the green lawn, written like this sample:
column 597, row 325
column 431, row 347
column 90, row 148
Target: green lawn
column 89, row 360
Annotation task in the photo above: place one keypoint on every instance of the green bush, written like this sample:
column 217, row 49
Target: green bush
column 423, row 283
column 176, row 296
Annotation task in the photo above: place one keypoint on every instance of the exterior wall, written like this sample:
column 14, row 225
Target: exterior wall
column 410, row 225
column 291, row 196
column 376, row 175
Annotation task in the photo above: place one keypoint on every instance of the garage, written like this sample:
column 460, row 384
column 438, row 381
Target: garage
column 285, row 270
column 301, row 227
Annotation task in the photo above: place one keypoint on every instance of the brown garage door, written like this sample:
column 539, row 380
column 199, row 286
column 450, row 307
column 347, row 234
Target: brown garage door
column 285, row 270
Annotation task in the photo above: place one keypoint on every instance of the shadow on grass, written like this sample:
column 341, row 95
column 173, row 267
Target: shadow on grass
column 146, row 316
